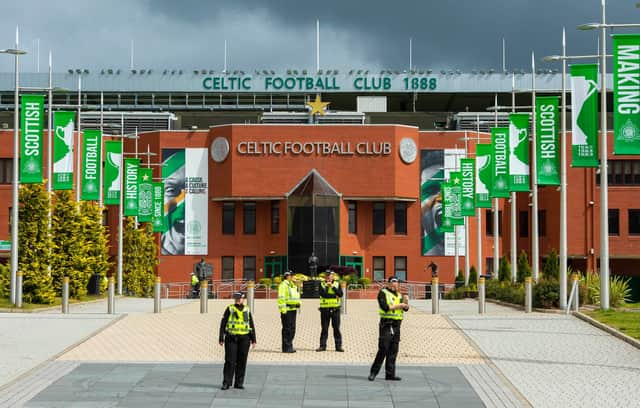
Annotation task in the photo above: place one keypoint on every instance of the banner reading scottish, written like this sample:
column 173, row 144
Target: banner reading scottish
column 63, row 125
column 91, row 151
column 547, row 157
column 145, row 194
column 519, row 152
column 158, row 219
column 500, row 160
column 131, row 167
column 185, row 176
column 584, row 120
column 31, row 112
column 484, row 175
column 112, row 172
column 626, row 93
column 468, row 170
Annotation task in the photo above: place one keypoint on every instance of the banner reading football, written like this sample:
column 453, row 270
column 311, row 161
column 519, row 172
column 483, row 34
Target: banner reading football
column 547, row 157
column 31, row 112
column 63, row 125
column 131, row 167
column 484, row 175
column 145, row 194
column 158, row 208
column 500, row 161
column 519, row 152
column 185, row 176
column 112, row 172
column 584, row 120
column 626, row 93
column 91, row 145
column 468, row 207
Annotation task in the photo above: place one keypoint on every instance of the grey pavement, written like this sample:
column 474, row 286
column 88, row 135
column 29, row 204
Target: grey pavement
column 462, row 307
column 198, row 385
column 123, row 305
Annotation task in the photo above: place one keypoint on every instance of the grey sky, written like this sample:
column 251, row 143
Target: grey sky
column 280, row 34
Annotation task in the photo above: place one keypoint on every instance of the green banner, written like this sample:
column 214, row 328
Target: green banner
column 158, row 219
column 446, row 221
column 455, row 197
column 63, row 131
column 91, row 152
column 484, row 175
column 519, row 152
column 468, row 170
column 31, row 119
column 131, row 186
column 112, row 172
column 548, row 159
column 584, row 120
column 431, row 176
column 626, row 94
column 500, row 161
column 145, row 194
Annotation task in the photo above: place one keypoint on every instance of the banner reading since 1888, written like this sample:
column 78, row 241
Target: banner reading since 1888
column 626, row 93
column 158, row 220
column 31, row 112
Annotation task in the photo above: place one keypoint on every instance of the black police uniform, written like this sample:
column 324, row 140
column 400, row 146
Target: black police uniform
column 388, row 342
column 236, row 350
column 331, row 314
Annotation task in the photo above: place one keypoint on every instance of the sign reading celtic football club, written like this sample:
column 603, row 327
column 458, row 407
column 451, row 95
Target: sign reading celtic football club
column 626, row 93
column 547, row 157
column 408, row 150
column 31, row 112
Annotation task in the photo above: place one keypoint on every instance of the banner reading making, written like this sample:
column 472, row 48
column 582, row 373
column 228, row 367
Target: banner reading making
column 548, row 163
column 468, row 207
column 63, row 125
column 112, row 172
column 91, row 145
column 131, row 187
column 500, row 152
column 145, row 194
column 584, row 120
column 484, row 175
column 626, row 93
column 519, row 152
column 31, row 112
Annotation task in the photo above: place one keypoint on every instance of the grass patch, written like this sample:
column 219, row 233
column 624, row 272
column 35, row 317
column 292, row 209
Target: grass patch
column 5, row 303
column 627, row 322
column 631, row 306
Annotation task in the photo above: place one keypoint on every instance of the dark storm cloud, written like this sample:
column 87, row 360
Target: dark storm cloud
column 462, row 34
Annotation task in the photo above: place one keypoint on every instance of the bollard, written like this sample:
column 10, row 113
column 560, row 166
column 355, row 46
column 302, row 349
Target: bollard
column 204, row 297
column 435, row 298
column 481, row 302
column 251, row 287
column 111, row 297
column 528, row 294
column 157, row 290
column 65, row 294
column 576, row 300
column 19, row 289
column 343, row 285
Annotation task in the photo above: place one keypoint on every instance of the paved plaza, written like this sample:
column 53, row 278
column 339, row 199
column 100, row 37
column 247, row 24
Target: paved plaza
column 503, row 359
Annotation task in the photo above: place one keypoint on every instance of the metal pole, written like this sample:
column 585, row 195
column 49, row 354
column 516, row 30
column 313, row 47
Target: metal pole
column 576, row 285
column 466, row 225
column 79, row 144
column 14, row 208
column 19, row 289
column 528, row 294
column 111, row 298
column 65, row 295
column 435, row 287
column 604, row 183
column 514, row 206
column 157, row 289
column 478, row 210
column 496, row 215
column 343, row 284
column 535, row 257
column 120, row 207
column 49, row 136
column 204, row 295
column 251, row 294
column 563, row 180
column 101, row 177
column 456, row 254
column 481, row 300
column 317, row 45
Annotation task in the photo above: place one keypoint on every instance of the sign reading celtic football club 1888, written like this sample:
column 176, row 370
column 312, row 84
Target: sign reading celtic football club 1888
column 548, row 161
column 91, row 146
column 63, row 150
column 626, row 93
column 31, row 112
column 131, row 186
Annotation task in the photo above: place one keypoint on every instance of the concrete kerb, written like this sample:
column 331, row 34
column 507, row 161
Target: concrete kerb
column 489, row 363
column 616, row 333
column 49, row 308
column 521, row 307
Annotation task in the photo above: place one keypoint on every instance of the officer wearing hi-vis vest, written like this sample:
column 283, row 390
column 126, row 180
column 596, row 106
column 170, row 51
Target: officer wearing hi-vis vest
column 288, row 304
column 236, row 332
column 392, row 306
column 330, row 301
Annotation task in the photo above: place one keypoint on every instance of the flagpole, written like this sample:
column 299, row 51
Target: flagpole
column 478, row 210
column 514, row 209
column 563, row 180
column 466, row 223
column 604, row 183
column 534, row 176
column 14, row 208
column 496, row 214
column 101, row 176
column 120, row 216
column 50, row 138
column 79, row 145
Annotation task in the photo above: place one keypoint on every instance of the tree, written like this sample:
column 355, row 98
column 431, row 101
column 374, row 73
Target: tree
column 5, row 281
column 473, row 275
column 504, row 270
column 68, row 250
column 139, row 258
column 524, row 270
column 551, row 270
column 34, row 243
column 95, row 237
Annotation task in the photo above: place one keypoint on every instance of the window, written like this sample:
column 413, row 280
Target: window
column 228, row 218
column 634, row 222
column 489, row 223
column 227, row 268
column 6, row 171
column 353, row 217
column 524, row 224
column 400, row 218
column 614, row 221
column 378, row 218
column 249, row 268
column 622, row 173
column 378, row 268
column 249, row 218
column 275, row 217
column 400, row 267
column 542, row 223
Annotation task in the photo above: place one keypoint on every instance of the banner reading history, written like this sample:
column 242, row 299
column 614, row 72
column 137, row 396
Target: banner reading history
column 519, row 152
column 626, row 93
column 185, row 176
column 112, row 172
column 468, row 170
column 547, row 156
column 31, row 115
column 584, row 118
column 91, row 152
column 63, row 132
column 130, row 192
column 484, row 175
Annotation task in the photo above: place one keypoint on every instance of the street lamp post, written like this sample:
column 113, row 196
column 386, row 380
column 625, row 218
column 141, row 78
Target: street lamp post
column 535, row 249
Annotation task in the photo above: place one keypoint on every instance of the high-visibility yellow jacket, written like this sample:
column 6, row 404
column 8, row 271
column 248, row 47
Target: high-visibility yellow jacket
column 288, row 297
column 238, row 323
column 392, row 299
column 331, row 301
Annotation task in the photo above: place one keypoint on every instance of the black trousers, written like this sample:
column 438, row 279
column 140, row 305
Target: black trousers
column 330, row 315
column 288, row 329
column 236, row 351
column 388, row 344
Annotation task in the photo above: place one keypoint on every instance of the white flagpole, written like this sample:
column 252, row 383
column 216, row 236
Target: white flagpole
column 563, row 181
column 16, row 150
column 79, row 144
column 317, row 46
column 496, row 215
column 479, row 211
column 535, row 257
column 514, row 207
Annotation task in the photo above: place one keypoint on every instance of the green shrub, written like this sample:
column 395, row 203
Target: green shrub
column 456, row 293
column 473, row 275
column 546, row 294
column 365, row 282
column 504, row 270
column 524, row 270
column 619, row 290
column 265, row 281
column 5, row 281
column 551, row 269
column 460, row 276
column 277, row 280
column 504, row 291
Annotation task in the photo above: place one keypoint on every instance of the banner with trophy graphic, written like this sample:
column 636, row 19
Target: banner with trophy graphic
column 63, row 132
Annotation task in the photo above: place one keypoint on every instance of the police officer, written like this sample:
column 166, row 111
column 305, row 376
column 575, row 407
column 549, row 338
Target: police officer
column 195, row 285
column 288, row 303
column 392, row 306
column 236, row 332
column 330, row 301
